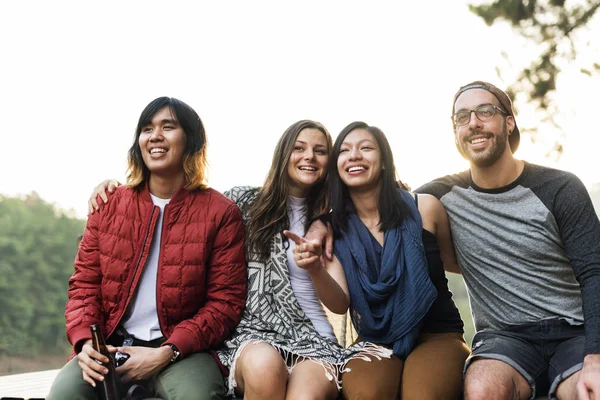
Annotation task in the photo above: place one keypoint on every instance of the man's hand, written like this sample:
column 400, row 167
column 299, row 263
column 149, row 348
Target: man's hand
column 143, row 362
column 322, row 233
column 307, row 254
column 92, row 370
column 588, row 386
column 109, row 186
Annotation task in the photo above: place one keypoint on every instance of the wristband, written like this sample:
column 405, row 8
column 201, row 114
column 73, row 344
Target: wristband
column 176, row 353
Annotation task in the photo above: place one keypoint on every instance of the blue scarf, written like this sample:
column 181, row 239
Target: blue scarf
column 388, row 299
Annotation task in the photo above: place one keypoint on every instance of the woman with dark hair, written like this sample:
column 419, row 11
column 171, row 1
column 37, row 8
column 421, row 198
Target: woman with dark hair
column 162, row 264
column 393, row 247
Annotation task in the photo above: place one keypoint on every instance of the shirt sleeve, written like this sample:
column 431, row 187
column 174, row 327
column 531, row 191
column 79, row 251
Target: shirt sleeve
column 580, row 232
column 226, row 292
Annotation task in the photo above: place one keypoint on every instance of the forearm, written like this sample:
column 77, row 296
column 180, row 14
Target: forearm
column 580, row 232
column 211, row 325
column 163, row 357
column 78, row 337
column 83, row 308
column 329, row 291
column 591, row 313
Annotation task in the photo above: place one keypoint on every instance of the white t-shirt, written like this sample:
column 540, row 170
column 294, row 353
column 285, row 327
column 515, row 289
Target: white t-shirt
column 141, row 319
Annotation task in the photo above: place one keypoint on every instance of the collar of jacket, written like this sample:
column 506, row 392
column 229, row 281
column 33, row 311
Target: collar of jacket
column 180, row 195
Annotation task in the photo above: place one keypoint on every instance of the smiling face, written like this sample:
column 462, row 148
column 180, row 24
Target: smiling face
column 308, row 160
column 162, row 143
column 359, row 162
column 483, row 143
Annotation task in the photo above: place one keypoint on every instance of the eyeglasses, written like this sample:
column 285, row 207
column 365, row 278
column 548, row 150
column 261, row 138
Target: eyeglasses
column 483, row 113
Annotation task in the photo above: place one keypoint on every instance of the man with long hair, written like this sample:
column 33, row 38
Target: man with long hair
column 163, row 264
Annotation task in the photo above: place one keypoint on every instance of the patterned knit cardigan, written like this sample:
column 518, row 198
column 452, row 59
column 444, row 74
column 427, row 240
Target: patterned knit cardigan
column 273, row 315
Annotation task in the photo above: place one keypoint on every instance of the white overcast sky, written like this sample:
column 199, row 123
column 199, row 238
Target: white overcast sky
column 74, row 77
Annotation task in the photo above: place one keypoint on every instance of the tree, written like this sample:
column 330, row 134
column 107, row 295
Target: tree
column 552, row 26
column 38, row 243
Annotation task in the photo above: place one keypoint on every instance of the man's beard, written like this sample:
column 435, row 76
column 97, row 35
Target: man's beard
column 488, row 157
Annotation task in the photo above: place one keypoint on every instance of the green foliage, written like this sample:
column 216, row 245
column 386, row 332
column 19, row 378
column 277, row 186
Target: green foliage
column 38, row 244
column 461, row 299
column 551, row 26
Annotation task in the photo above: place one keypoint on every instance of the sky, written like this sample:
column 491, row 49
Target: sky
column 74, row 77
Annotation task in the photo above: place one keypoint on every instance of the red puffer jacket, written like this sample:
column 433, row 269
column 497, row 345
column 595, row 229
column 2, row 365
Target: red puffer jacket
column 201, row 283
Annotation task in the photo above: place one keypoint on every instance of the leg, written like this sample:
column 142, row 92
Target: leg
column 506, row 364
column 493, row 379
column 260, row 373
column 195, row 377
column 567, row 388
column 376, row 380
column 69, row 384
column 565, row 367
column 308, row 381
column 434, row 369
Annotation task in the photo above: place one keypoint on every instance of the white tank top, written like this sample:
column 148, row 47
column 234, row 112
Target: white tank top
column 302, row 285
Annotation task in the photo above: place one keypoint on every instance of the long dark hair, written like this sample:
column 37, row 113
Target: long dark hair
column 392, row 209
column 194, row 158
column 268, row 213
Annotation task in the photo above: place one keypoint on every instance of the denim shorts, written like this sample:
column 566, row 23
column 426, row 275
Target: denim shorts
column 545, row 353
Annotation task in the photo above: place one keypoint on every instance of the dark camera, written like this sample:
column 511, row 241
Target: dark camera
column 120, row 358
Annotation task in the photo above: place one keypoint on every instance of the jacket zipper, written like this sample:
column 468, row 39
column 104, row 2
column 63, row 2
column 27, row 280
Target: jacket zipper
column 158, row 267
column 129, row 296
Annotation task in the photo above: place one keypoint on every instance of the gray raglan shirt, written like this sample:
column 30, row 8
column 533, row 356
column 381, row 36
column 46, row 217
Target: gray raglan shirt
column 527, row 251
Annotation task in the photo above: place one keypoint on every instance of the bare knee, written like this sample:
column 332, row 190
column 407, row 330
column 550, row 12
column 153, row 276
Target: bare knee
column 261, row 367
column 477, row 389
column 378, row 379
column 567, row 389
column 367, row 390
column 261, row 372
column 309, row 381
column 424, row 379
column 492, row 379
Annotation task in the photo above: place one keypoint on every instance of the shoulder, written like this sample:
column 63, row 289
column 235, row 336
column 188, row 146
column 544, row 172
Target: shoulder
column 124, row 192
column 550, row 183
column 242, row 195
column 542, row 175
column 427, row 201
column 123, row 202
column 122, row 197
column 214, row 199
column 430, row 208
column 441, row 186
column 217, row 196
